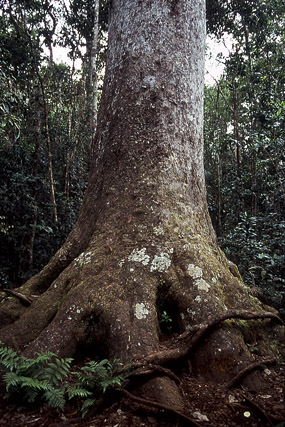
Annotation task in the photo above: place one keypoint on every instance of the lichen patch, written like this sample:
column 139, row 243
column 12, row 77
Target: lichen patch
column 141, row 311
column 202, row 285
column 158, row 231
column 84, row 258
column 160, row 262
column 149, row 82
column 139, row 255
column 194, row 271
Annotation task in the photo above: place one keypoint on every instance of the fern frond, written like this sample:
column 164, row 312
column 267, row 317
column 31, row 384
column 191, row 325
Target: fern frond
column 111, row 382
column 9, row 358
column 78, row 392
column 55, row 398
column 86, row 406
column 30, row 394
column 35, row 383
column 11, row 379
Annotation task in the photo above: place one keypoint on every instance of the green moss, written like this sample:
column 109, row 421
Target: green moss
column 255, row 301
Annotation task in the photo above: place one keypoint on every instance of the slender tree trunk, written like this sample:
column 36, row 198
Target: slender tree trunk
column 92, row 78
column 36, row 191
column 47, row 131
column 239, row 199
column 50, row 165
column 219, row 196
column 143, row 243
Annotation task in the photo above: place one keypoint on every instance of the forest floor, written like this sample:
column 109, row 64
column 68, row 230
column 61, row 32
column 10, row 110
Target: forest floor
column 207, row 404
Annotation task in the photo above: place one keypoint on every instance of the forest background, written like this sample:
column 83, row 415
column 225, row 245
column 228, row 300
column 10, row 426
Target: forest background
column 47, row 127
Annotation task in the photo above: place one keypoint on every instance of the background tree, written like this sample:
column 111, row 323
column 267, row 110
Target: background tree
column 245, row 147
column 40, row 127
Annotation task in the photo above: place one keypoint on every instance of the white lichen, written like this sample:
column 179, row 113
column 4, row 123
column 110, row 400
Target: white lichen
column 74, row 309
column 141, row 311
column 194, row 271
column 160, row 262
column 191, row 312
column 149, row 82
column 84, row 258
column 139, row 255
column 158, row 231
column 198, row 298
column 202, row 285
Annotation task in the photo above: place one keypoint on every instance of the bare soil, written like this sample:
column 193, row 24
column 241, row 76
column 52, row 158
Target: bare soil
column 207, row 404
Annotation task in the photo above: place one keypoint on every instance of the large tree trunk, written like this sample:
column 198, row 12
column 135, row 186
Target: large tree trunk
column 143, row 243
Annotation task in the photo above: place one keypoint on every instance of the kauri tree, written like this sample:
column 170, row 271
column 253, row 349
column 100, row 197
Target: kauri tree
column 143, row 245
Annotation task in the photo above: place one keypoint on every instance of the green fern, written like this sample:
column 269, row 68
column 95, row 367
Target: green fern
column 46, row 378
column 78, row 392
column 87, row 405
column 55, row 398
column 97, row 377
column 29, row 395
column 9, row 358
column 11, row 379
column 39, row 378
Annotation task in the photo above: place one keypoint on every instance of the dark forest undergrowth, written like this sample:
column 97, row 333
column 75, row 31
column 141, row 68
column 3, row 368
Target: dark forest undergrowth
column 206, row 404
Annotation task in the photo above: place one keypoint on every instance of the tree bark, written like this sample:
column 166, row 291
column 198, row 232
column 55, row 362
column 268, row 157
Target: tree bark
column 92, row 78
column 143, row 243
column 36, row 191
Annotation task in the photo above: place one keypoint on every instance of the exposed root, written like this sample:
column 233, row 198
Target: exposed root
column 241, row 374
column 151, row 403
column 27, row 301
column 154, row 369
column 188, row 340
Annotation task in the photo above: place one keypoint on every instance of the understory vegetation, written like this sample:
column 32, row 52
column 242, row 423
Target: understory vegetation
column 50, row 379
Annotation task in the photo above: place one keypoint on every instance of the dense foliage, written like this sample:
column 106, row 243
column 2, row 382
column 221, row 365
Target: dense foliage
column 244, row 139
column 45, row 136
column 49, row 379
